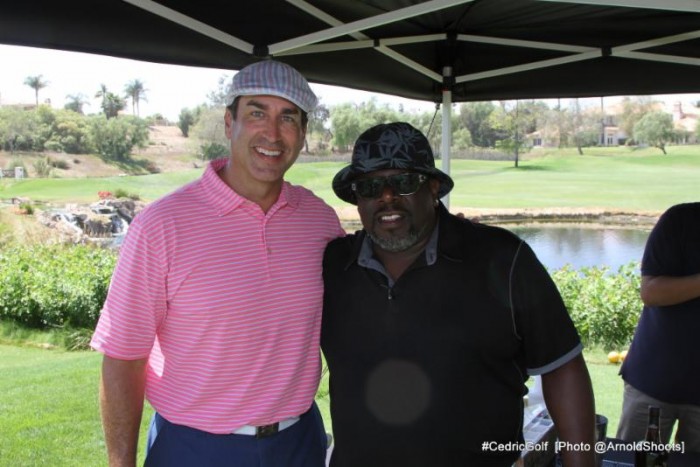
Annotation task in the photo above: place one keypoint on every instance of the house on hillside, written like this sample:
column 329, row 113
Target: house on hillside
column 538, row 139
column 685, row 123
column 609, row 131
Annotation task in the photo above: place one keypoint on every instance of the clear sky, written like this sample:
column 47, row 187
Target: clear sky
column 169, row 88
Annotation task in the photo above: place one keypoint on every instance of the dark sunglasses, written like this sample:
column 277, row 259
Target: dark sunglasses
column 404, row 184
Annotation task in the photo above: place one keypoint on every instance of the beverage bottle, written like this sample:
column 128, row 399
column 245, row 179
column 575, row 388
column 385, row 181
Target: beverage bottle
column 652, row 452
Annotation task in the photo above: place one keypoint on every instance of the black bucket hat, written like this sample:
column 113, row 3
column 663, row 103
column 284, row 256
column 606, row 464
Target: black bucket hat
column 389, row 146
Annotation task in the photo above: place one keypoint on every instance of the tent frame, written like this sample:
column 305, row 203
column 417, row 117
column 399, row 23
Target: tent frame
column 326, row 40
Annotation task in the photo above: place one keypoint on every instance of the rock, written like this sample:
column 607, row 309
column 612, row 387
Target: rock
column 97, row 227
column 98, row 222
column 17, row 200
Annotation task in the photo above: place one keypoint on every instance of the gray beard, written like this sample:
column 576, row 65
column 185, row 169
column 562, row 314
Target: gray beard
column 398, row 244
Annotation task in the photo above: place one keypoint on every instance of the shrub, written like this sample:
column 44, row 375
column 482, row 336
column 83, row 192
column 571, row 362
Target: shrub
column 59, row 164
column 26, row 208
column 44, row 128
column 18, row 129
column 605, row 307
column 210, row 151
column 151, row 167
column 43, row 167
column 122, row 193
column 186, row 119
column 68, row 132
column 115, row 138
column 54, row 146
column 209, row 133
column 54, row 285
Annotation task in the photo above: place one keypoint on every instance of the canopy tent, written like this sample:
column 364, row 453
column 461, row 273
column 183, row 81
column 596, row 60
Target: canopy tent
column 496, row 49
column 436, row 50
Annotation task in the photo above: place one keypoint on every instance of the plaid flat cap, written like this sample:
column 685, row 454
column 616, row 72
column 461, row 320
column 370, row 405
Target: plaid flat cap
column 273, row 78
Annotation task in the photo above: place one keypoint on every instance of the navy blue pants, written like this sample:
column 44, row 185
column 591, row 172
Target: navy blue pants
column 301, row 445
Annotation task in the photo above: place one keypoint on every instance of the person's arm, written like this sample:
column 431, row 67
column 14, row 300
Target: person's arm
column 568, row 394
column 121, row 400
column 669, row 290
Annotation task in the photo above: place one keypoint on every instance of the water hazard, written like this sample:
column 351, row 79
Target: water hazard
column 579, row 245
column 583, row 245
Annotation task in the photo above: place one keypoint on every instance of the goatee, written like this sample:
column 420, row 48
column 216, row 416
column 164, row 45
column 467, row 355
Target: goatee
column 396, row 244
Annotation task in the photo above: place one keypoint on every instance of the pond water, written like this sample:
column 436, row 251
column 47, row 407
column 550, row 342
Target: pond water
column 579, row 245
column 583, row 245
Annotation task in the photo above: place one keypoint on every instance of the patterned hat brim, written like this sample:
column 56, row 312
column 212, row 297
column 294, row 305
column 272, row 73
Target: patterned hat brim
column 344, row 178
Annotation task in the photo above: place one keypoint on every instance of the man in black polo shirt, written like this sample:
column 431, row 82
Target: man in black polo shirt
column 432, row 324
column 663, row 359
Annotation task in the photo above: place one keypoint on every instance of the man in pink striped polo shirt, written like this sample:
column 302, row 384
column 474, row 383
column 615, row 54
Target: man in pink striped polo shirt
column 214, row 309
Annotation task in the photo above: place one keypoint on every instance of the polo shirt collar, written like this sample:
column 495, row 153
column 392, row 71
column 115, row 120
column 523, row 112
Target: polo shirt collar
column 225, row 200
column 364, row 252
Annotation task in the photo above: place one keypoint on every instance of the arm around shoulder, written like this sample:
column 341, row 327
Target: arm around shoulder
column 568, row 394
column 122, row 389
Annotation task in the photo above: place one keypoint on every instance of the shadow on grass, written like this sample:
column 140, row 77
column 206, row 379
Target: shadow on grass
column 521, row 168
column 531, row 168
column 137, row 166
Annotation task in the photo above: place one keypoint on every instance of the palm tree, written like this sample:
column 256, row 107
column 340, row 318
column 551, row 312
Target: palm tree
column 136, row 92
column 102, row 93
column 36, row 83
column 111, row 103
column 76, row 102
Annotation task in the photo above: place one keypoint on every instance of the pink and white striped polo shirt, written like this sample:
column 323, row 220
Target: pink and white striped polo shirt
column 225, row 300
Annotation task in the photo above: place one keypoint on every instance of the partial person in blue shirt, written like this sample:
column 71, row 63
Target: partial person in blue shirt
column 662, row 364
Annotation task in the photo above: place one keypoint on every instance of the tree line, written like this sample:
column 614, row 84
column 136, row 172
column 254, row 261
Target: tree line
column 111, row 104
column 70, row 131
column 67, row 131
column 498, row 129
column 504, row 127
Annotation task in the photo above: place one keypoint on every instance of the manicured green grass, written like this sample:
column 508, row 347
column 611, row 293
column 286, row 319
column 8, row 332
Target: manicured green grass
column 49, row 406
column 611, row 178
column 84, row 190
column 619, row 180
column 50, row 411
